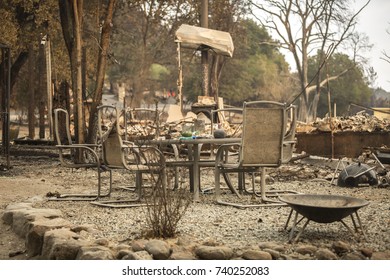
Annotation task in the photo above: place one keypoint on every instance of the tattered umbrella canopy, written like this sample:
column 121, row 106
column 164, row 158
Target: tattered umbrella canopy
column 198, row 37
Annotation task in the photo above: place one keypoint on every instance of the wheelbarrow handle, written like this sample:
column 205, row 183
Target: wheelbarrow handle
column 363, row 172
column 378, row 161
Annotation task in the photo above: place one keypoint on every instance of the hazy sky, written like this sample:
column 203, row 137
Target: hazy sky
column 374, row 20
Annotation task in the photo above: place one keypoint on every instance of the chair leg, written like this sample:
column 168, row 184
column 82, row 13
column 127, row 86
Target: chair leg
column 217, row 175
column 263, row 192
column 218, row 187
column 176, row 172
column 138, row 183
column 265, row 202
column 230, row 185
column 126, row 202
column 136, row 202
column 87, row 197
column 175, row 167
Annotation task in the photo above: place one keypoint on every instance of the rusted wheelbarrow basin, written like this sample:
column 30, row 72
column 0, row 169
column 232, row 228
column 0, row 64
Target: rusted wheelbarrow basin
column 323, row 209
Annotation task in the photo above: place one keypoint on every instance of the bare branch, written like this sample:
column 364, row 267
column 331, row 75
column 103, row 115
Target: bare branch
column 328, row 79
column 386, row 57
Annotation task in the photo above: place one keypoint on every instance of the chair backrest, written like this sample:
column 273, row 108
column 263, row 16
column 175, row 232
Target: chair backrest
column 70, row 154
column 264, row 127
column 110, row 138
column 141, row 122
column 62, row 133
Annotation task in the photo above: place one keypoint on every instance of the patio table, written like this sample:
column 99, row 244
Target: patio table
column 193, row 161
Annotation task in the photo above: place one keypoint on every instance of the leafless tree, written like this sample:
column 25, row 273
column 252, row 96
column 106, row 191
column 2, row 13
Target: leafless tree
column 305, row 28
column 101, row 69
column 71, row 14
column 386, row 56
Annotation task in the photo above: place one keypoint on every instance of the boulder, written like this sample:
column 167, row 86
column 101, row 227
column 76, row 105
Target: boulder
column 34, row 237
column 341, row 247
column 61, row 244
column 182, row 255
column 256, row 255
column 140, row 255
column 160, row 250
column 306, row 249
column 325, row 254
column 214, row 253
column 94, row 253
column 272, row 245
column 23, row 217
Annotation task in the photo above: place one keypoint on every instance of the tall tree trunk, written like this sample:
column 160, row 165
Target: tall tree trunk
column 302, row 111
column 41, row 91
column 31, row 91
column 71, row 13
column 78, row 76
column 314, row 106
column 101, row 70
column 217, row 65
column 214, row 81
column 16, row 66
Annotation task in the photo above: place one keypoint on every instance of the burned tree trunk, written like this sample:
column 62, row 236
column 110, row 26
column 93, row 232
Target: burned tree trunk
column 31, row 94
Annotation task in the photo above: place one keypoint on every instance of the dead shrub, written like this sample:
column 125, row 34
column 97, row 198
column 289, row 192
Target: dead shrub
column 165, row 208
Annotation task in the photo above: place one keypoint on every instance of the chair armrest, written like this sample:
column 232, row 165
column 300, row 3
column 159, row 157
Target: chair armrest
column 128, row 143
column 223, row 153
column 145, row 156
column 81, row 145
column 82, row 148
column 78, row 146
column 288, row 149
column 290, row 142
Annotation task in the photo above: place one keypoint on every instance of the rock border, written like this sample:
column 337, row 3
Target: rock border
column 48, row 236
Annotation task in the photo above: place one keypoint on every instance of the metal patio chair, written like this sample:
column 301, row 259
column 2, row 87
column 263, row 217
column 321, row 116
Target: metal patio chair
column 77, row 156
column 144, row 124
column 118, row 154
column 265, row 143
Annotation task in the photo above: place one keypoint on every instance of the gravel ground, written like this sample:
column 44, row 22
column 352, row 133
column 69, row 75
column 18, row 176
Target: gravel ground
column 39, row 173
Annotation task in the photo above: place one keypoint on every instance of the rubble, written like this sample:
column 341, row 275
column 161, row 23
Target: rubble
column 199, row 124
column 357, row 123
